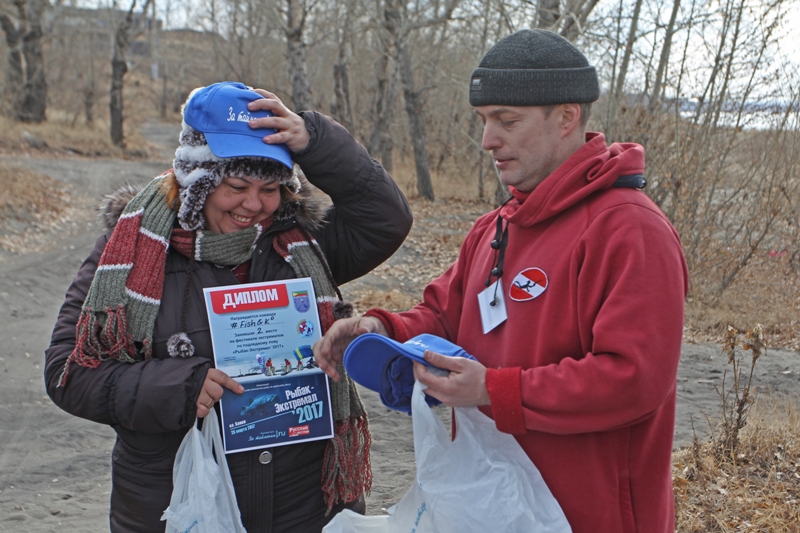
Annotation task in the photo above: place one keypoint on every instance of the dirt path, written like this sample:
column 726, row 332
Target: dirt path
column 55, row 468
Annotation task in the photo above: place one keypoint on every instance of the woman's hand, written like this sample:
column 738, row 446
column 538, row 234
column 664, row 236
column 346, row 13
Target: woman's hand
column 329, row 350
column 290, row 127
column 211, row 391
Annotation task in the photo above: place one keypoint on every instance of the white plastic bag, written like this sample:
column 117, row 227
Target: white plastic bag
column 203, row 500
column 348, row 521
column 481, row 481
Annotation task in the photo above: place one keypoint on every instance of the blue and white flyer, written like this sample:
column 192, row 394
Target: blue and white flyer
column 262, row 334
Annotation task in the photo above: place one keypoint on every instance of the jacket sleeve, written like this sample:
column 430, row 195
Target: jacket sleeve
column 150, row 396
column 370, row 216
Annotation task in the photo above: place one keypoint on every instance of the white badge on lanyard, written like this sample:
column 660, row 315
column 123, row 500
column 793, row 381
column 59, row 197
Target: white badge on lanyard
column 493, row 306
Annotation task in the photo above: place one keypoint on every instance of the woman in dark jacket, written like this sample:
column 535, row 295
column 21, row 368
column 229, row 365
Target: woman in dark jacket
column 131, row 347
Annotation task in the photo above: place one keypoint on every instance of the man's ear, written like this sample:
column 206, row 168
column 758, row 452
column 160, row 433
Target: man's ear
column 570, row 118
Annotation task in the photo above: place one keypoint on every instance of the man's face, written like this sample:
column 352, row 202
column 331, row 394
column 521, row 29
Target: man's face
column 524, row 142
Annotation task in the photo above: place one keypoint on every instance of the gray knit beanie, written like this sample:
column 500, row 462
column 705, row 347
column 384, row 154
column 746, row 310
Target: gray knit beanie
column 533, row 68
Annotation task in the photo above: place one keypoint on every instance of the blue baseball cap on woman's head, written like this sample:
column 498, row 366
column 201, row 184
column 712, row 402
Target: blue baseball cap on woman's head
column 387, row 366
column 220, row 113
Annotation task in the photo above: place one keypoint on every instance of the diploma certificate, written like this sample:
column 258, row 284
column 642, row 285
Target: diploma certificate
column 262, row 334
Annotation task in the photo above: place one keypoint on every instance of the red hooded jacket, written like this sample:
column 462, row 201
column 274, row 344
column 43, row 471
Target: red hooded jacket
column 584, row 373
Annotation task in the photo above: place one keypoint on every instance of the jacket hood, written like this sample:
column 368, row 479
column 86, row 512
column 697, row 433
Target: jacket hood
column 308, row 207
column 593, row 167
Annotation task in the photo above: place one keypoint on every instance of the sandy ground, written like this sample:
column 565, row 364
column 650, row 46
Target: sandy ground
column 55, row 468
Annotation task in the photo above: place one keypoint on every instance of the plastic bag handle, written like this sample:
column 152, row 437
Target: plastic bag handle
column 213, row 437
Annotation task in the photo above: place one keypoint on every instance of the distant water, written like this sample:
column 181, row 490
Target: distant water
column 754, row 116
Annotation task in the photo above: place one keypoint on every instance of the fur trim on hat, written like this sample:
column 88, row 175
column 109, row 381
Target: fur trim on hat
column 192, row 163
column 193, row 198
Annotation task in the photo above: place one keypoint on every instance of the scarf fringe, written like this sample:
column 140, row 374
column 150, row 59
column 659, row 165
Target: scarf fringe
column 347, row 472
column 94, row 342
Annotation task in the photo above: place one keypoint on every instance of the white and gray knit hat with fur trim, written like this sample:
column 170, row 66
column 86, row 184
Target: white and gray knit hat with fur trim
column 199, row 171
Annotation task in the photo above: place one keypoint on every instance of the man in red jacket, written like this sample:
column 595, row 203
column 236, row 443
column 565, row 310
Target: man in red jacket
column 570, row 296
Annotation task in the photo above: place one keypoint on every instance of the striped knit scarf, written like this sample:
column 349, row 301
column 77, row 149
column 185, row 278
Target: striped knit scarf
column 346, row 470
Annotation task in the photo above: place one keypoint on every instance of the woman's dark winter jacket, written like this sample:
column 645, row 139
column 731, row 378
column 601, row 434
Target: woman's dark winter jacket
column 151, row 404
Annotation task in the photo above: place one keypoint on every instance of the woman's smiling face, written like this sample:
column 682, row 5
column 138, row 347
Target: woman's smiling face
column 239, row 203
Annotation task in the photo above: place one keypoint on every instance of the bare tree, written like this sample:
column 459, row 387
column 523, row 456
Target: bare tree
column 381, row 141
column 26, row 76
column 664, row 59
column 123, row 36
column 719, row 57
column 297, row 13
column 89, row 89
column 169, row 7
column 568, row 18
column 574, row 20
column 548, row 13
column 119, row 67
column 340, row 104
column 393, row 17
column 14, row 74
column 399, row 27
column 727, row 188
column 617, row 94
column 246, row 26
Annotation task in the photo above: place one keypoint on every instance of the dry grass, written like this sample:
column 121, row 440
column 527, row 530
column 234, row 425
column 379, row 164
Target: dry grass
column 32, row 206
column 746, row 476
column 27, row 196
column 767, row 292
column 451, row 182
column 59, row 136
column 757, row 490
column 394, row 300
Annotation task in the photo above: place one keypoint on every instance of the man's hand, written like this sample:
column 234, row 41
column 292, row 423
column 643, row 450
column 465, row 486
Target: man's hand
column 464, row 386
column 289, row 126
column 329, row 350
column 211, row 391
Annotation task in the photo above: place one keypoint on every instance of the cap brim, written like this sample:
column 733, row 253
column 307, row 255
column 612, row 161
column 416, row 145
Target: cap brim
column 227, row 145
column 368, row 356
